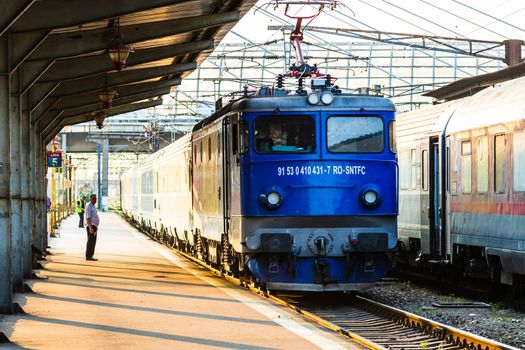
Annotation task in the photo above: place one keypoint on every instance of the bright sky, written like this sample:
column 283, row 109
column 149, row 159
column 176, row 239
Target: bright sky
column 474, row 19
column 487, row 20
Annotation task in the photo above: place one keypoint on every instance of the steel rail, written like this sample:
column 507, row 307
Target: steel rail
column 316, row 319
column 380, row 329
column 449, row 334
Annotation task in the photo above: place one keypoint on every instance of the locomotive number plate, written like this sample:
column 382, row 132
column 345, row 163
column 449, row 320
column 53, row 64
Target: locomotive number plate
column 321, row 170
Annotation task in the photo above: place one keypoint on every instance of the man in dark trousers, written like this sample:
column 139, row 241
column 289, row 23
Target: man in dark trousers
column 92, row 222
column 81, row 205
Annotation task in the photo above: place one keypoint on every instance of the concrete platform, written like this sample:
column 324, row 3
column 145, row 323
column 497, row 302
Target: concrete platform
column 142, row 295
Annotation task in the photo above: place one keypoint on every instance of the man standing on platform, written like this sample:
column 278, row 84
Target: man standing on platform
column 92, row 222
column 81, row 205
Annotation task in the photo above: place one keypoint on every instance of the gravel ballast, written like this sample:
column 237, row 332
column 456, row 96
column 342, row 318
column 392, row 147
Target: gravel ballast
column 494, row 322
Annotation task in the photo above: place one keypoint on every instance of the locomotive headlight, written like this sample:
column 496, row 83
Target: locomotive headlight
column 271, row 197
column 253, row 242
column 370, row 198
column 327, row 98
column 274, row 199
column 313, row 98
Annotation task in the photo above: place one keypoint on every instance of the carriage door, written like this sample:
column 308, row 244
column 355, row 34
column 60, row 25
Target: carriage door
column 434, row 197
column 226, row 173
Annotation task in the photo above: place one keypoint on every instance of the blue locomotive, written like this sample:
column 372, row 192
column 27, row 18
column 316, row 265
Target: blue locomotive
column 298, row 191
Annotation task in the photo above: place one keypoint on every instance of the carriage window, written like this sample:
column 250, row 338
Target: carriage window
column 355, row 134
column 466, row 166
column 147, row 182
column 448, row 170
column 424, row 170
column 209, row 148
column 404, row 174
column 290, row 134
column 414, row 178
column 500, row 164
column 483, row 164
column 519, row 160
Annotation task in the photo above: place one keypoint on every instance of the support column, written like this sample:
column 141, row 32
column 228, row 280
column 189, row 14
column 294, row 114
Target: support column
column 41, row 164
column 39, row 197
column 25, row 171
column 34, row 192
column 17, row 266
column 43, row 169
column 105, row 175
column 99, row 182
column 513, row 52
column 71, row 204
column 6, row 296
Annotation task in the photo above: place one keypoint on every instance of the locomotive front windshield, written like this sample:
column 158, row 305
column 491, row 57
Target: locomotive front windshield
column 355, row 134
column 290, row 134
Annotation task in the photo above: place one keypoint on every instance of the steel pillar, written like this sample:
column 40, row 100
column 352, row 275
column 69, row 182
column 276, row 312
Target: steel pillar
column 105, row 175
column 6, row 297
column 41, row 196
column 25, row 171
column 42, row 166
column 34, row 194
column 513, row 51
column 65, row 203
column 99, row 182
column 17, row 266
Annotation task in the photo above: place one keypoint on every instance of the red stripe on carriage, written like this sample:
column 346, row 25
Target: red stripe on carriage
column 501, row 208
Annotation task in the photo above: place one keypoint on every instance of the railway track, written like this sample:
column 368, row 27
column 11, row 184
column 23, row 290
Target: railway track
column 369, row 323
column 385, row 326
column 374, row 325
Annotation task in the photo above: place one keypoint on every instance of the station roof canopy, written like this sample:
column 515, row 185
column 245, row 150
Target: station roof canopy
column 59, row 61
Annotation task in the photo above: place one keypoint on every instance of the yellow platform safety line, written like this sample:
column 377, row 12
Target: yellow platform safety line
column 308, row 315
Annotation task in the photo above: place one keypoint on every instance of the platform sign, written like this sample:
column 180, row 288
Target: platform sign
column 54, row 159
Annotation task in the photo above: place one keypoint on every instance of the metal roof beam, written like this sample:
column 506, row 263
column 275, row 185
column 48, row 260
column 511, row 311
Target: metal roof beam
column 50, row 14
column 54, row 107
column 91, row 109
column 123, row 91
column 95, row 107
column 57, row 125
column 77, row 43
column 39, row 92
column 32, row 28
column 11, row 11
column 26, row 43
column 79, row 67
column 78, row 86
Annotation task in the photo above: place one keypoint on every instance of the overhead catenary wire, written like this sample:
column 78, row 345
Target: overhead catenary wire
column 490, row 23
column 462, row 18
column 423, row 18
column 488, row 15
column 421, row 28
column 265, row 64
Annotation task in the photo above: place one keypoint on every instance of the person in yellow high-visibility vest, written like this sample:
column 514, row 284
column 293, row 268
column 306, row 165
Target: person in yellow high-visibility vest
column 81, row 205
